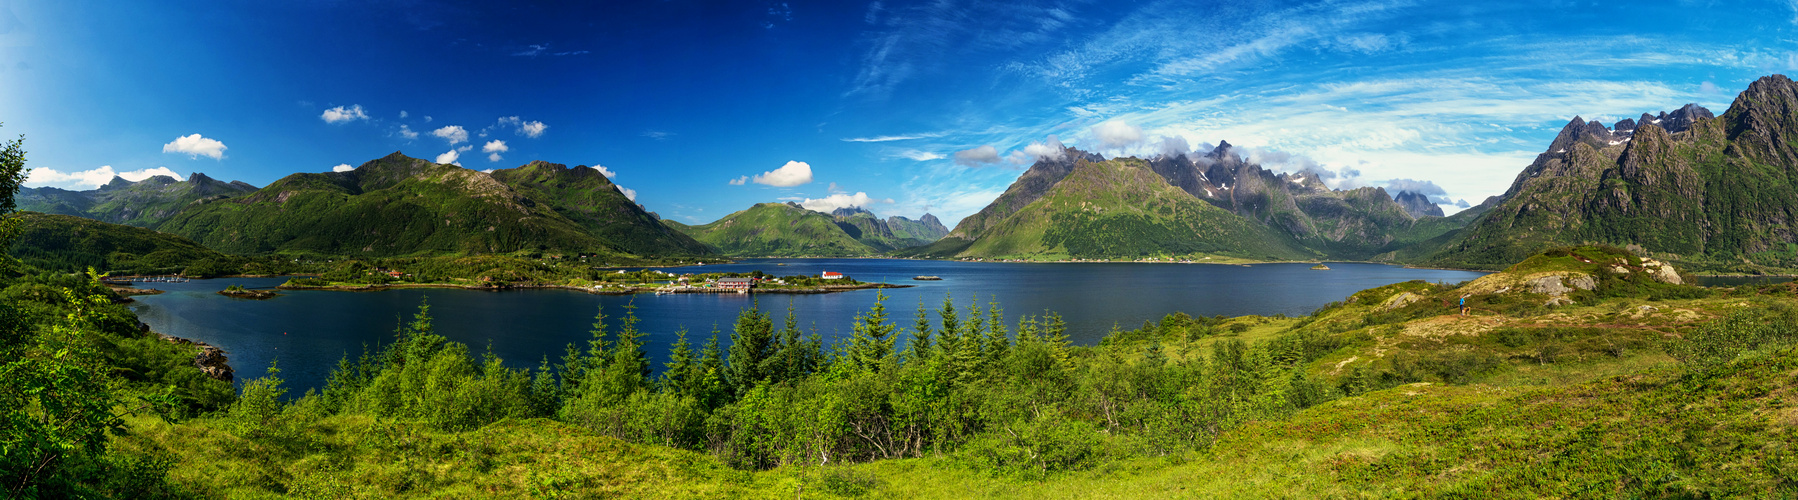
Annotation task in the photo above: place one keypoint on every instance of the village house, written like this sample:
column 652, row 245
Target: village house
column 831, row 275
column 736, row 283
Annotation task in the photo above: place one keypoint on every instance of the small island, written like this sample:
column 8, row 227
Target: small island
column 1320, row 267
column 240, row 292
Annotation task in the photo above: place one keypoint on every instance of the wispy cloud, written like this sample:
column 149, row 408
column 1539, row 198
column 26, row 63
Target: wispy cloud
column 890, row 138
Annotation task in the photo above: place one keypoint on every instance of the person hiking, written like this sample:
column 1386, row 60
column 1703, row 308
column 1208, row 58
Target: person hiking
column 1463, row 305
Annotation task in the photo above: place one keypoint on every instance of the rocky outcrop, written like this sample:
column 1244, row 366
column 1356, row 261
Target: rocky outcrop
column 210, row 360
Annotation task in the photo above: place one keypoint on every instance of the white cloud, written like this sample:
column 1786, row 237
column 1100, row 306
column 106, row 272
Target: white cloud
column 840, row 200
column 345, row 114
column 1711, row 88
column 345, row 167
column 89, row 179
column 792, row 174
column 739, row 181
column 629, row 193
column 1116, row 133
column 402, row 113
column 917, row 155
column 531, row 129
column 195, row 146
column 494, row 148
column 983, row 155
column 606, row 171
column 1050, row 148
column 450, row 157
column 407, row 132
column 453, row 133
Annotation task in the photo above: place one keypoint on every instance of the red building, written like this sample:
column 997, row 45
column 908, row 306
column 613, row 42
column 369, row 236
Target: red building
column 736, row 283
column 831, row 275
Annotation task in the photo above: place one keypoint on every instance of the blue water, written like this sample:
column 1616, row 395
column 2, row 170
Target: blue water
column 308, row 331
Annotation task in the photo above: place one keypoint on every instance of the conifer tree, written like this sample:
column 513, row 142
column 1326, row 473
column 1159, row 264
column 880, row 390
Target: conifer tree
column 871, row 343
column 677, row 373
column 750, row 346
column 918, row 349
column 998, row 341
column 1056, row 335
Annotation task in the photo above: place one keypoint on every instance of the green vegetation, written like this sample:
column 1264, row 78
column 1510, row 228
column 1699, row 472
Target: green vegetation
column 70, row 244
column 778, row 230
column 1639, row 388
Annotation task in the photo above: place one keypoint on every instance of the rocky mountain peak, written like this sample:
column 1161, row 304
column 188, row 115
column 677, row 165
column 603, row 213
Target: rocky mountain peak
column 1624, row 125
column 116, row 183
column 197, row 178
column 1418, row 204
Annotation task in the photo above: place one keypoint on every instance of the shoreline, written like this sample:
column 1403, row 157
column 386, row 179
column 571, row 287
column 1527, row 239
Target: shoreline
column 594, row 291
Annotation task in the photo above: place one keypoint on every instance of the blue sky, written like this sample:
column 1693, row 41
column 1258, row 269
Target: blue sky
column 703, row 108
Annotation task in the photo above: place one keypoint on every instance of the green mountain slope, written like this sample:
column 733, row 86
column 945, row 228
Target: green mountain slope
column 393, row 206
column 584, row 195
column 1720, row 193
column 778, row 230
column 145, row 203
column 67, row 243
column 1118, row 209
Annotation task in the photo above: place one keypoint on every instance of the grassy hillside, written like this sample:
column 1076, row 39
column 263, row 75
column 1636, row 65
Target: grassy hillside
column 394, row 206
column 583, row 195
column 1121, row 209
column 778, row 230
column 71, row 244
column 1637, row 388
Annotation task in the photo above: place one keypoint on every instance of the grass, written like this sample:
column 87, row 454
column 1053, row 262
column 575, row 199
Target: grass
column 1576, row 401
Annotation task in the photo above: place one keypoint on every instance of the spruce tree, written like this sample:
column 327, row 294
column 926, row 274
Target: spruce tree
column 751, row 344
column 871, row 343
column 918, row 349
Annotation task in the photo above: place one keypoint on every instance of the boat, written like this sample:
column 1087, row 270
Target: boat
column 927, row 278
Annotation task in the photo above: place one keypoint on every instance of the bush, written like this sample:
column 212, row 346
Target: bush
column 1719, row 342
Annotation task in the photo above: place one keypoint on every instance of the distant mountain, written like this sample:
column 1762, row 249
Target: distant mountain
column 1720, row 190
column 1080, row 206
column 781, row 230
column 403, row 206
column 926, row 228
column 67, row 243
column 144, row 203
column 1353, row 224
column 1418, row 205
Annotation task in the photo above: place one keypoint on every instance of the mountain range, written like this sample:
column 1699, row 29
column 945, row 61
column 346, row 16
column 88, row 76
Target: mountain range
column 1704, row 190
column 1707, row 191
